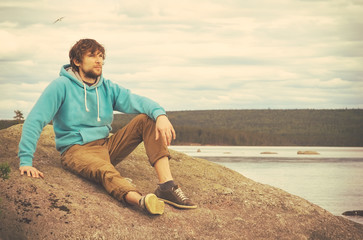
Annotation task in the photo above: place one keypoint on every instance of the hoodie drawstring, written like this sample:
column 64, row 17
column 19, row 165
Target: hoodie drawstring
column 98, row 106
column 85, row 97
column 98, row 102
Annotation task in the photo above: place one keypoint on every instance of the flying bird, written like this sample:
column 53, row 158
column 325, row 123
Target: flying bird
column 58, row 20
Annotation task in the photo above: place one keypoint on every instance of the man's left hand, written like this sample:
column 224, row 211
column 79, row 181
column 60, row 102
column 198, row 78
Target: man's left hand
column 165, row 130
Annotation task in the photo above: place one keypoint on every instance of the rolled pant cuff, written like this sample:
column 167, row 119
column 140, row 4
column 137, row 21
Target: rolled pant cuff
column 122, row 195
column 156, row 158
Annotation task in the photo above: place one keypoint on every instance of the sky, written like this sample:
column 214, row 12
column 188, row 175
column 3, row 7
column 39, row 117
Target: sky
column 192, row 55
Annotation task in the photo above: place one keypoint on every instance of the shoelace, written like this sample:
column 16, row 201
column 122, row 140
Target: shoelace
column 142, row 202
column 180, row 194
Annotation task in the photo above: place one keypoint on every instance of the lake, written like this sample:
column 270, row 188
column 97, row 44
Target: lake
column 332, row 179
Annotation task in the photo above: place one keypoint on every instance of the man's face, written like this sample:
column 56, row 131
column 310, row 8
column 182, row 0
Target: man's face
column 91, row 65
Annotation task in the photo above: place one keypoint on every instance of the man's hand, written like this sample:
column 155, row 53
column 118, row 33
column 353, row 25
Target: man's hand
column 165, row 130
column 31, row 172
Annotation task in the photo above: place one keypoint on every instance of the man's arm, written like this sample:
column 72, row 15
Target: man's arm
column 127, row 102
column 41, row 114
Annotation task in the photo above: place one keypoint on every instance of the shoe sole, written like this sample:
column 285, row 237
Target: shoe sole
column 178, row 205
column 154, row 205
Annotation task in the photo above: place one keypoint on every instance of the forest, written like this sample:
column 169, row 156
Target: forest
column 264, row 127
column 302, row 127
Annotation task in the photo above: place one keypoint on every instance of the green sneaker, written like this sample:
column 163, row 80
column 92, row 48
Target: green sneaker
column 176, row 197
column 152, row 204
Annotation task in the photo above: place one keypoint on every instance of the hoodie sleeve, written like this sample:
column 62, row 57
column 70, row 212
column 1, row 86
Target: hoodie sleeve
column 127, row 102
column 40, row 115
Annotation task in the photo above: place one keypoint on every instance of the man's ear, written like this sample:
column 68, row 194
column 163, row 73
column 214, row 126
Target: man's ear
column 76, row 62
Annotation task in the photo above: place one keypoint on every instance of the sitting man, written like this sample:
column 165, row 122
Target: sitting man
column 81, row 103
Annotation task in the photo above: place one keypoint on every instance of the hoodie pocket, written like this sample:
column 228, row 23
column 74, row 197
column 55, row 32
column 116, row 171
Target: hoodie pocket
column 94, row 133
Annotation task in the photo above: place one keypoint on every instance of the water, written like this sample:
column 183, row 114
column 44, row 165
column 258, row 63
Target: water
column 332, row 179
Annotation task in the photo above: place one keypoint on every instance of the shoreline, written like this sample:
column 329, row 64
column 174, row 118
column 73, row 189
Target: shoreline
column 220, row 145
column 274, row 152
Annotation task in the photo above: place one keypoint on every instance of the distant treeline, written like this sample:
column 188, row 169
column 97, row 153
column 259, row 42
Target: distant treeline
column 9, row 123
column 260, row 127
column 265, row 127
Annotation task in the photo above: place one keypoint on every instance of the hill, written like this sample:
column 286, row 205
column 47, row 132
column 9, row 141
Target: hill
column 230, row 206
column 265, row 127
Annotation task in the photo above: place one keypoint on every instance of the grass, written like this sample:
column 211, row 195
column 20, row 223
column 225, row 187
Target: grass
column 4, row 170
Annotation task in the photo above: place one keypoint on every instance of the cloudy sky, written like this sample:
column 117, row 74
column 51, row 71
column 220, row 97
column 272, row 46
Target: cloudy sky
column 189, row 55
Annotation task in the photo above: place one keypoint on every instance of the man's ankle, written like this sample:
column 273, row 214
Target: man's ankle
column 167, row 185
column 132, row 198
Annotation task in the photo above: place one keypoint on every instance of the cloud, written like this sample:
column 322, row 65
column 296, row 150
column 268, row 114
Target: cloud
column 15, row 96
column 192, row 55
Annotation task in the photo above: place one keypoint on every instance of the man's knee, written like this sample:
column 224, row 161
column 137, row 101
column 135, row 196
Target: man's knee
column 99, row 171
column 142, row 118
column 143, row 121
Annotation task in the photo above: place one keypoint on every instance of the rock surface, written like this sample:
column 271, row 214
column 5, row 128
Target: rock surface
column 230, row 206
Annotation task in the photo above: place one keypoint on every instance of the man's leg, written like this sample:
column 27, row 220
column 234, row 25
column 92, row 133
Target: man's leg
column 162, row 169
column 167, row 190
column 92, row 162
column 142, row 128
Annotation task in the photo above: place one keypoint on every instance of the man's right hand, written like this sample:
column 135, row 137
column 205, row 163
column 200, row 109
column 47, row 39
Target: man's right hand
column 31, row 172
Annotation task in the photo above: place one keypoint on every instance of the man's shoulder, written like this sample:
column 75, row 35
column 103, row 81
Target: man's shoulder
column 59, row 83
column 61, row 80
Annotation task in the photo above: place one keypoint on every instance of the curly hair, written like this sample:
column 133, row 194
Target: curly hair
column 81, row 48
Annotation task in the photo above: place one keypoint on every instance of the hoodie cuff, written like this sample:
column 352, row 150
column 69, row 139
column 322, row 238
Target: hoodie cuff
column 26, row 161
column 157, row 113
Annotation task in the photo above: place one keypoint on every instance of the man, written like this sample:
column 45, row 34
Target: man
column 81, row 103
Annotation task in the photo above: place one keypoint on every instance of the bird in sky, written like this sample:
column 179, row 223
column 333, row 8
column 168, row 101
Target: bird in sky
column 58, row 20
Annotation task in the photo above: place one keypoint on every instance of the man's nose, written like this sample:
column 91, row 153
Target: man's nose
column 99, row 59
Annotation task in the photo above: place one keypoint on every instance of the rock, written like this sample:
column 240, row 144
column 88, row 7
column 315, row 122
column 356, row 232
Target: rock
column 353, row 213
column 308, row 152
column 230, row 206
column 268, row 153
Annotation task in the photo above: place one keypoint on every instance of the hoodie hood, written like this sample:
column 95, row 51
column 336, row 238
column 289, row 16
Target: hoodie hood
column 67, row 71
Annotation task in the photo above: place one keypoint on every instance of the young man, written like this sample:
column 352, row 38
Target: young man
column 81, row 103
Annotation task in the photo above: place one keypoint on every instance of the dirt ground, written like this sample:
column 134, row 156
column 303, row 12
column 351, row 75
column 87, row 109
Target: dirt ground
column 230, row 206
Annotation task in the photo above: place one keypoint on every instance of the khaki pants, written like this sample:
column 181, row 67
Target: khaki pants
column 96, row 160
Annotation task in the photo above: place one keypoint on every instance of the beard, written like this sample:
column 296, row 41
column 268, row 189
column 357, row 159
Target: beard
column 92, row 74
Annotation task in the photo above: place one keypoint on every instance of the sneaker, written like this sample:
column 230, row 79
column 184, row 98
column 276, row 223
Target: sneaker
column 152, row 204
column 175, row 197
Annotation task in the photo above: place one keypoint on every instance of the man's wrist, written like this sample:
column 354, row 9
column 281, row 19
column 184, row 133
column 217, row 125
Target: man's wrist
column 161, row 115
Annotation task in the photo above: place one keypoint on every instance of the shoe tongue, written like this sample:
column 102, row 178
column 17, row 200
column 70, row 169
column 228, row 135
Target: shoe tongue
column 167, row 185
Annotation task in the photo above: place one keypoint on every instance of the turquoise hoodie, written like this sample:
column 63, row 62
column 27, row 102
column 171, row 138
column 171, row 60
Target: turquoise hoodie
column 80, row 113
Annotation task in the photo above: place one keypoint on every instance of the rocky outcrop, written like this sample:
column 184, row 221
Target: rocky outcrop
column 230, row 206
column 353, row 213
column 308, row 152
